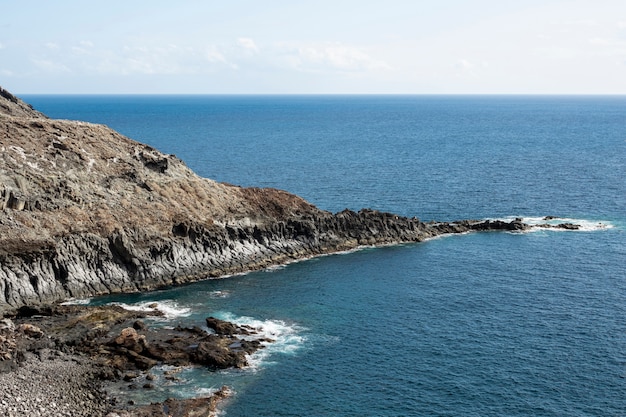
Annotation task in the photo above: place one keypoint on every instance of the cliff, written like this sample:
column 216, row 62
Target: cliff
column 86, row 211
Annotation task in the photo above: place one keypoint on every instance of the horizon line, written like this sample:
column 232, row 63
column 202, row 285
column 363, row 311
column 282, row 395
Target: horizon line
column 333, row 94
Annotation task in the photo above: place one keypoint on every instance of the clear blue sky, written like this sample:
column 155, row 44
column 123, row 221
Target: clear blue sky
column 321, row 46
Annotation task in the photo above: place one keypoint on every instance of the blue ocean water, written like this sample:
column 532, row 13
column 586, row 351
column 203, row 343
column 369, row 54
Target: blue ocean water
column 492, row 324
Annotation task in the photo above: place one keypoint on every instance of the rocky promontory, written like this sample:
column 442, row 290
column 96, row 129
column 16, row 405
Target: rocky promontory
column 86, row 211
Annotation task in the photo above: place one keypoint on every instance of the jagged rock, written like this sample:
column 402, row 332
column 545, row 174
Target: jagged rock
column 141, row 362
column 129, row 376
column 131, row 340
column 31, row 330
column 218, row 356
column 225, row 328
column 11, row 105
column 104, row 333
column 568, row 226
column 139, row 325
column 7, row 324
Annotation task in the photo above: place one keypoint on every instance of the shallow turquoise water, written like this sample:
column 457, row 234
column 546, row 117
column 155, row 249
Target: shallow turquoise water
column 486, row 324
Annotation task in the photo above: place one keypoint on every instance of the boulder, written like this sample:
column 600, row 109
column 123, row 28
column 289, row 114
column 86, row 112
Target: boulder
column 30, row 330
column 215, row 355
column 225, row 328
column 131, row 340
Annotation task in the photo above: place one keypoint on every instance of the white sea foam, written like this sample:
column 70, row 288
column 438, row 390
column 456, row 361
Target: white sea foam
column 585, row 225
column 285, row 338
column 275, row 268
column 204, row 392
column 76, row 301
column 219, row 294
column 169, row 308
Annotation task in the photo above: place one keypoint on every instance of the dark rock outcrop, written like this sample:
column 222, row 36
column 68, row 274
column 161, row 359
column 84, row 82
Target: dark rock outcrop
column 107, row 335
column 121, row 347
column 12, row 105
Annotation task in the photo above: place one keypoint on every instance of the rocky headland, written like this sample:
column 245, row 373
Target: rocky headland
column 85, row 211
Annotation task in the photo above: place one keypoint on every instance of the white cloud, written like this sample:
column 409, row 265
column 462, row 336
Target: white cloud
column 248, row 44
column 464, row 65
column 465, row 69
column 1, row 45
column 579, row 23
column 240, row 54
column 142, row 66
column 79, row 51
column 608, row 47
column 600, row 41
column 152, row 60
column 169, row 59
column 51, row 66
column 317, row 57
column 213, row 55
column 83, row 47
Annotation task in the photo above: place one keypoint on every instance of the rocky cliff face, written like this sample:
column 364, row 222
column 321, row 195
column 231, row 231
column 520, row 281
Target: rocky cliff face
column 86, row 211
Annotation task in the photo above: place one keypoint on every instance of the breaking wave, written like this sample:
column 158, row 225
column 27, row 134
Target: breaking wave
column 585, row 224
column 170, row 308
column 279, row 337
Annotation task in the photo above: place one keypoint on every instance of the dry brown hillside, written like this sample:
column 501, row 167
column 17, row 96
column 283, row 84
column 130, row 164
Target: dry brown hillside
column 59, row 177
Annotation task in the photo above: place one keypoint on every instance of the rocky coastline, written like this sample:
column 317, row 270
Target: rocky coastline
column 59, row 360
column 85, row 211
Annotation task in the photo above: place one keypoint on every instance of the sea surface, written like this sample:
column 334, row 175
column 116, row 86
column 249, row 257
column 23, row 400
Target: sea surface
column 486, row 324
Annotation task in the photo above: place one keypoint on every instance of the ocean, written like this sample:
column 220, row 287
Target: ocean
column 487, row 324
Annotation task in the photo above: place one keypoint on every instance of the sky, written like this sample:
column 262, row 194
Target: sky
column 313, row 47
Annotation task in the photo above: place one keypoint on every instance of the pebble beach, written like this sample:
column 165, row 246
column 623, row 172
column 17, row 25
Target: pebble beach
column 51, row 384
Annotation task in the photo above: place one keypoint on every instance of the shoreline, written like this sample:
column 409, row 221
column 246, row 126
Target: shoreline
column 45, row 361
column 65, row 361
column 89, row 262
column 54, row 384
